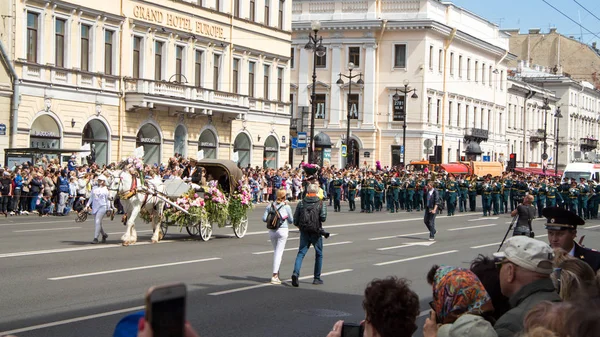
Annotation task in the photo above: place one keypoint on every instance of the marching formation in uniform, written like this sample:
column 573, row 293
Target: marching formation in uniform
column 405, row 191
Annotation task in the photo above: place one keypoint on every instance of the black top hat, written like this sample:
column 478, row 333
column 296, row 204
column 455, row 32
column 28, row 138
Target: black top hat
column 561, row 219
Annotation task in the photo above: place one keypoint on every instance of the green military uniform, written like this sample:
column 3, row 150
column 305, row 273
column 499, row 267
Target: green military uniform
column 452, row 194
column 363, row 194
column 486, row 199
column 596, row 201
column 564, row 193
column 441, row 187
column 542, row 195
column 419, row 194
column 463, row 186
column 410, row 195
column 472, row 195
column 584, row 189
column 552, row 196
column 370, row 195
column 496, row 193
column 352, row 184
column 534, row 191
column 379, row 187
column 506, row 189
column 573, row 198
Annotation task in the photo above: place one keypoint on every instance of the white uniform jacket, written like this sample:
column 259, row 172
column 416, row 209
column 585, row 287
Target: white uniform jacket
column 98, row 199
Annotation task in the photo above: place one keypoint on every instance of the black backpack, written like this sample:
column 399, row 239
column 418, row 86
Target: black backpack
column 274, row 220
column 309, row 219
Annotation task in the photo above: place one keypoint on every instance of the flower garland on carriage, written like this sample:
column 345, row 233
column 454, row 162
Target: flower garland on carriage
column 240, row 203
column 193, row 204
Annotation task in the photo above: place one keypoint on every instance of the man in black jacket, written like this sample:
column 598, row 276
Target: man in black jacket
column 310, row 203
column 431, row 207
column 562, row 231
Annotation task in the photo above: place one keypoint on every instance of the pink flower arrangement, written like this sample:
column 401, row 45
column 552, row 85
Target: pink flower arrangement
column 214, row 193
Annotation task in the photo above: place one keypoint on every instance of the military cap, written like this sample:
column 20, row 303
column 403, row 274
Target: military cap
column 561, row 219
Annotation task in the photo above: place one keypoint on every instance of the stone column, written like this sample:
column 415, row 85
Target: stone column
column 337, row 95
column 369, row 87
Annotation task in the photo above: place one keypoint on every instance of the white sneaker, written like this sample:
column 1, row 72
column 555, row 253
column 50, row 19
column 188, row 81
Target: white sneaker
column 11, row 213
column 275, row 280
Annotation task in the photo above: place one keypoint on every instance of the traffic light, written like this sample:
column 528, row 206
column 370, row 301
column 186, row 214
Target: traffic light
column 512, row 161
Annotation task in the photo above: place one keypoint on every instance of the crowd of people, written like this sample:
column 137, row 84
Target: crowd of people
column 532, row 288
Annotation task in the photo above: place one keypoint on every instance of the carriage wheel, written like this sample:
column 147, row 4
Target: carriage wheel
column 164, row 228
column 241, row 229
column 205, row 230
column 193, row 230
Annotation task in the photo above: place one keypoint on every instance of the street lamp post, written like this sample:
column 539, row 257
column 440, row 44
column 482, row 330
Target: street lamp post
column 558, row 116
column 396, row 97
column 340, row 82
column 315, row 44
column 546, row 108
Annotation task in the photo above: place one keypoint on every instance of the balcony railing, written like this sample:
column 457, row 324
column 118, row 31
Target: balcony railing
column 588, row 144
column 48, row 73
column 182, row 91
column 476, row 134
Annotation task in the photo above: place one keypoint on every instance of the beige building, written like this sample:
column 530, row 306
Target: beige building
column 557, row 54
column 454, row 59
column 202, row 78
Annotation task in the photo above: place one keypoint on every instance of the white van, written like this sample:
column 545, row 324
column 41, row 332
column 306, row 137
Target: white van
column 582, row 170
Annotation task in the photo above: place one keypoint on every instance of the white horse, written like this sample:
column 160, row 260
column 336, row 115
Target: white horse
column 144, row 198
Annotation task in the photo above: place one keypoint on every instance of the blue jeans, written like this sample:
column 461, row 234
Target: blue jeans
column 305, row 241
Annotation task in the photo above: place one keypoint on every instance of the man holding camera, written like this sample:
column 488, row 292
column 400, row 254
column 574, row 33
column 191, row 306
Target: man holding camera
column 526, row 213
column 308, row 217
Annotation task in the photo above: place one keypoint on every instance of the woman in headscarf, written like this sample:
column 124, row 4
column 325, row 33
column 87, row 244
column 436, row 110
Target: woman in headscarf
column 461, row 306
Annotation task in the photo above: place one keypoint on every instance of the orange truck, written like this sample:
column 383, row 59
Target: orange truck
column 479, row 168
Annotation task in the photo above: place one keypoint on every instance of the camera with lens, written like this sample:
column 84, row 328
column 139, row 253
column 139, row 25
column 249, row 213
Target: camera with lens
column 323, row 233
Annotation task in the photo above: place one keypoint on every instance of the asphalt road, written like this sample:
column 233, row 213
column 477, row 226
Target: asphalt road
column 54, row 283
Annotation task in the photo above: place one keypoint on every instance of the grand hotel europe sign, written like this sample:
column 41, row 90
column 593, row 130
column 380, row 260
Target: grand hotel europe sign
column 178, row 22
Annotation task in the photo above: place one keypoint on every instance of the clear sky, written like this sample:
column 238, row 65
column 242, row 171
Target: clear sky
column 526, row 14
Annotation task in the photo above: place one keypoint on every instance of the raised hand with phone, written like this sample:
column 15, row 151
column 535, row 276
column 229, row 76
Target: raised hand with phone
column 165, row 313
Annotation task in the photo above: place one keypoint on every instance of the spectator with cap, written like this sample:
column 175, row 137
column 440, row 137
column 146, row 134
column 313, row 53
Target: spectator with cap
column 525, row 268
column 562, row 231
column 460, row 304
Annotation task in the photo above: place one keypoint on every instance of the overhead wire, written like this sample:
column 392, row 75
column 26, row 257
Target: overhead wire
column 568, row 17
column 587, row 10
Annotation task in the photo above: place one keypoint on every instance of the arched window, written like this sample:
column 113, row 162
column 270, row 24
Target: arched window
column 208, row 144
column 150, row 139
column 242, row 147
column 45, row 133
column 270, row 153
column 180, row 141
column 96, row 134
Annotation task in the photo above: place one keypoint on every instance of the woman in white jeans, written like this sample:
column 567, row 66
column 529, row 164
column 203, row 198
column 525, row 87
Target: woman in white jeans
column 100, row 203
column 279, row 236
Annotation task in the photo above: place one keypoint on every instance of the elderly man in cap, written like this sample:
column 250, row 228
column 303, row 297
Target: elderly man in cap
column 562, row 231
column 525, row 267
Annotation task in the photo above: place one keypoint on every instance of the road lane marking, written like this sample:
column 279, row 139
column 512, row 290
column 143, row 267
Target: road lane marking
column 397, row 236
column 415, row 258
column 269, row 284
column 71, row 320
column 392, row 221
column 590, row 227
column 45, row 229
column 117, row 233
column 75, row 249
column 485, row 218
column 426, row 244
column 424, row 313
column 288, row 249
column 470, row 227
column 497, row 243
column 35, row 223
column 298, row 238
column 132, row 269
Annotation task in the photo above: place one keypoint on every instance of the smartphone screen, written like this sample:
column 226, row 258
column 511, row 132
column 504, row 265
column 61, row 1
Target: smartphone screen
column 166, row 310
column 352, row 330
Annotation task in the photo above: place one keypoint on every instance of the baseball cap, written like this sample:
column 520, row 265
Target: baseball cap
column 467, row 325
column 531, row 254
column 103, row 178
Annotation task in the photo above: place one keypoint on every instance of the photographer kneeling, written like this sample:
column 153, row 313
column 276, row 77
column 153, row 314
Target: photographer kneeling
column 526, row 213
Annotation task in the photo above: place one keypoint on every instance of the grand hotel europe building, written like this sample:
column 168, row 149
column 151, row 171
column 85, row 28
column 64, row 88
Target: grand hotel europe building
column 456, row 61
column 198, row 77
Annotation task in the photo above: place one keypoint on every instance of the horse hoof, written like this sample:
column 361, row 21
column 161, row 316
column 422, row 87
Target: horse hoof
column 154, row 241
column 125, row 244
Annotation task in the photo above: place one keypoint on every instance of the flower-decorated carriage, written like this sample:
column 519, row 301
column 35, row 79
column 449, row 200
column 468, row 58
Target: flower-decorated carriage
column 223, row 201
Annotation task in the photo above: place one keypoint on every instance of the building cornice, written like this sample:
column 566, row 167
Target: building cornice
column 238, row 48
column 432, row 25
column 66, row 6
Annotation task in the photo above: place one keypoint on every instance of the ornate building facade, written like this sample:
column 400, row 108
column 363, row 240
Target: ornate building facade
column 455, row 60
column 188, row 77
